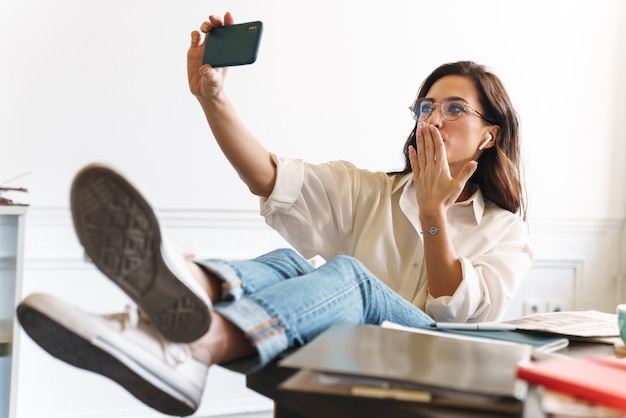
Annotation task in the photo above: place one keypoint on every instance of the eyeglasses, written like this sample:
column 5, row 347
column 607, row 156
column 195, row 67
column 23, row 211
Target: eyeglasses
column 451, row 108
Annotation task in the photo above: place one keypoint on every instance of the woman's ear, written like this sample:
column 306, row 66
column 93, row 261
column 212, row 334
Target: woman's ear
column 487, row 140
column 490, row 138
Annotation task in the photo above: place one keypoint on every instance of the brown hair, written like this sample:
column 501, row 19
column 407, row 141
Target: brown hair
column 499, row 173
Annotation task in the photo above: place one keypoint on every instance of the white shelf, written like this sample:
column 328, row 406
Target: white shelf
column 13, row 210
column 12, row 225
column 6, row 331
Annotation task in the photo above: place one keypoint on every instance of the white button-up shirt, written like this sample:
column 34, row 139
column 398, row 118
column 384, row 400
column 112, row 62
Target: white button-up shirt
column 336, row 208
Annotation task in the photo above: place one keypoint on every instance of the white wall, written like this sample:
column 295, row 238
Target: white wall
column 84, row 80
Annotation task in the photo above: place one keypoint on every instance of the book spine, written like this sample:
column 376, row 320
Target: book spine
column 571, row 386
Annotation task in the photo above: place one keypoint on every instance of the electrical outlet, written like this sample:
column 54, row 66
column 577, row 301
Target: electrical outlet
column 555, row 305
column 533, row 306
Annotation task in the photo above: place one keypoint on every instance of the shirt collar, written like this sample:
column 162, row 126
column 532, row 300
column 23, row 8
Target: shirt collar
column 478, row 204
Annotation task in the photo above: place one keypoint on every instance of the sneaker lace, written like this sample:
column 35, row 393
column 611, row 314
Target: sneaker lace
column 134, row 318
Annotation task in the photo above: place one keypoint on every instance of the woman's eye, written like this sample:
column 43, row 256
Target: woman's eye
column 426, row 108
column 455, row 108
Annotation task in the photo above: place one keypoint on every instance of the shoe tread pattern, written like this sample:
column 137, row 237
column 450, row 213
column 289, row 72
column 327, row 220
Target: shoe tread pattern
column 120, row 234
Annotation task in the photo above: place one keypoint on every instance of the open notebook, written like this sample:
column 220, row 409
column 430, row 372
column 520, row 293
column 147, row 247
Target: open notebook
column 540, row 341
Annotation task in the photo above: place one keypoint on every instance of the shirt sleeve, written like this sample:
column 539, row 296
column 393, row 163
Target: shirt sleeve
column 489, row 281
column 312, row 206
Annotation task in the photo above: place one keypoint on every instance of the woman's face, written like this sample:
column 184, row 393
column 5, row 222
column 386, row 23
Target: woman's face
column 463, row 136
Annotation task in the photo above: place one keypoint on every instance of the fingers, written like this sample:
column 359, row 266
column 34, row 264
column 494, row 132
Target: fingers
column 466, row 173
column 415, row 166
column 228, row 19
column 419, row 142
column 439, row 149
column 430, row 145
column 205, row 27
column 215, row 21
column 206, row 70
column 196, row 39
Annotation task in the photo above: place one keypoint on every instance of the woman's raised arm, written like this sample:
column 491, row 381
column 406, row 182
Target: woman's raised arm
column 244, row 152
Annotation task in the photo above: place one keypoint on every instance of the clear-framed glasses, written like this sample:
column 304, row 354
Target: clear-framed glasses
column 451, row 108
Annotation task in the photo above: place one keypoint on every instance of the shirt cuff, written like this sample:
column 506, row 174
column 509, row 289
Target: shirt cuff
column 288, row 185
column 464, row 303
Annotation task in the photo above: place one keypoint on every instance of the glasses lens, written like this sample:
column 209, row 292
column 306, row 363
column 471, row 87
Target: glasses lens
column 452, row 109
column 422, row 109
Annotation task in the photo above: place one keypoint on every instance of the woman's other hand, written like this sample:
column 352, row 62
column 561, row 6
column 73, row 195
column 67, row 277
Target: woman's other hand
column 436, row 188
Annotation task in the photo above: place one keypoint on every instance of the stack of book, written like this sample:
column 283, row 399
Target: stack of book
column 5, row 191
column 464, row 370
column 437, row 375
column 595, row 380
column 585, row 386
column 4, row 201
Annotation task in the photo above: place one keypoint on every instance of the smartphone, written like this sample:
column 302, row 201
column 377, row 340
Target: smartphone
column 227, row 46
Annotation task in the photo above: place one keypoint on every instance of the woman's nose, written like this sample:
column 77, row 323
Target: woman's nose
column 435, row 117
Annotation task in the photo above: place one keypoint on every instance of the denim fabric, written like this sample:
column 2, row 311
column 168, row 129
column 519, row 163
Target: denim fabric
column 280, row 301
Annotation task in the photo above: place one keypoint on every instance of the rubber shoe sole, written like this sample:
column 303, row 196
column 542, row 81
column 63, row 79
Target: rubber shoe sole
column 121, row 235
column 68, row 346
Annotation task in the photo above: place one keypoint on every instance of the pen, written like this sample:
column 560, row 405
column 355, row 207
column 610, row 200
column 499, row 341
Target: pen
column 474, row 327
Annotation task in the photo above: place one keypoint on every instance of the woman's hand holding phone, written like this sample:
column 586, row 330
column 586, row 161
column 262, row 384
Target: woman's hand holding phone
column 205, row 81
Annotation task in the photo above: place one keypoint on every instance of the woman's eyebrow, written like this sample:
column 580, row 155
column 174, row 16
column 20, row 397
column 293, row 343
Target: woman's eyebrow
column 446, row 98
column 456, row 98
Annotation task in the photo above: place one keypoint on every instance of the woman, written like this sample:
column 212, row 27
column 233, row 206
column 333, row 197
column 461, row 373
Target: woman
column 442, row 240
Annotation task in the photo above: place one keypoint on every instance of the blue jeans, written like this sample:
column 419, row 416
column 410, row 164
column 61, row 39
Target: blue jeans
column 280, row 301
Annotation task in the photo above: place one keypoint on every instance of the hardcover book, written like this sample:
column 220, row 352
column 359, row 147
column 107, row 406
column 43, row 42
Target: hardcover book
column 597, row 379
column 367, row 360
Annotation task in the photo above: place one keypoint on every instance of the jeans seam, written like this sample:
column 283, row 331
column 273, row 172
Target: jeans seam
column 265, row 325
column 268, row 334
column 314, row 308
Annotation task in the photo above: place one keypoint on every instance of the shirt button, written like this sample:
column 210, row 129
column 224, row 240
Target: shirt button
column 415, row 265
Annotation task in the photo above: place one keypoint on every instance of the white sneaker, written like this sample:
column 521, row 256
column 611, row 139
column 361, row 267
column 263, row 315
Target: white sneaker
column 121, row 235
column 124, row 347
